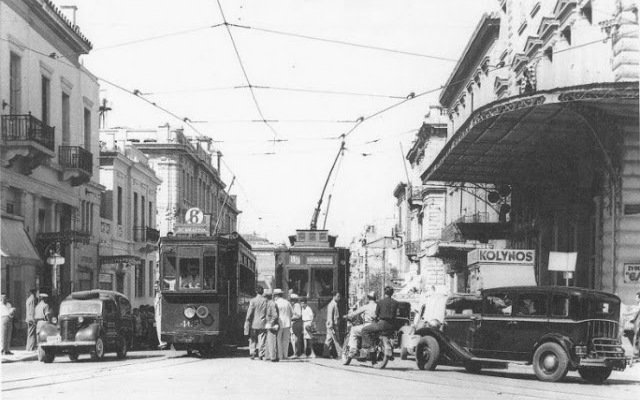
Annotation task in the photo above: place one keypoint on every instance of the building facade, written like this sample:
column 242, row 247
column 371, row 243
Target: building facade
column 189, row 178
column 543, row 104
column 265, row 253
column 49, row 153
column 128, row 235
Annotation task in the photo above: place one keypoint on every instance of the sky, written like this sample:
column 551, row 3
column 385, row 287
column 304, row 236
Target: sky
column 176, row 55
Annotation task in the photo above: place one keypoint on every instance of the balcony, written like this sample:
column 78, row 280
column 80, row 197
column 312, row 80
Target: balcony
column 412, row 249
column 414, row 193
column 26, row 142
column 77, row 164
column 145, row 234
column 476, row 227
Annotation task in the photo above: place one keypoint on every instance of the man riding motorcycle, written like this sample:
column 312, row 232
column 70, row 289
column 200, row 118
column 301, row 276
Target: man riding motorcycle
column 386, row 311
column 368, row 312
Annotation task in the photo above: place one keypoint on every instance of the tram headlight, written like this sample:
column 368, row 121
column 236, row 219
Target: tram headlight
column 202, row 312
column 189, row 312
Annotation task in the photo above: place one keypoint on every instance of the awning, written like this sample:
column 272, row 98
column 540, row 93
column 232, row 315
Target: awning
column 547, row 136
column 120, row 259
column 16, row 245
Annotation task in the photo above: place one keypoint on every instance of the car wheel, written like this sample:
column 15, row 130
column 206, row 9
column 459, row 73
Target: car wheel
column 207, row 351
column 49, row 356
column 594, row 375
column 189, row 351
column 122, row 348
column 73, row 356
column 473, row 367
column 404, row 353
column 98, row 350
column 550, row 362
column 427, row 353
column 346, row 359
column 381, row 353
column 40, row 353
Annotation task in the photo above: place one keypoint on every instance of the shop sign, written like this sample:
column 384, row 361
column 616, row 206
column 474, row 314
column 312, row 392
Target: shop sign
column 632, row 273
column 501, row 256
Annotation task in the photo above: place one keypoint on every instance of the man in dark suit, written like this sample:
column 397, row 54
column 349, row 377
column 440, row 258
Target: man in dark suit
column 254, row 325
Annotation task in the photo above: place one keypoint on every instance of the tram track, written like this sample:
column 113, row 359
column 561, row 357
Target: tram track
column 77, row 376
column 504, row 387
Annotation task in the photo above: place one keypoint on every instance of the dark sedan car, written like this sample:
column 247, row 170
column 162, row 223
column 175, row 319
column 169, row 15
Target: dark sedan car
column 94, row 322
column 555, row 329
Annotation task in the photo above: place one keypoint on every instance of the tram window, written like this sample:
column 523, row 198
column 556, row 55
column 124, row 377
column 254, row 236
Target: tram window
column 299, row 281
column 209, row 272
column 322, row 282
column 169, row 273
column 190, row 277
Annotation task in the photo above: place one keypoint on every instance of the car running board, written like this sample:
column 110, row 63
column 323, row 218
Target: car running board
column 493, row 363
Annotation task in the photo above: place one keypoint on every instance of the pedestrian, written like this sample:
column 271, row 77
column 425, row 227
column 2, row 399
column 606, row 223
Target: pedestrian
column 43, row 312
column 308, row 326
column 332, row 342
column 30, row 319
column 254, row 325
column 285, row 312
column 271, row 325
column 296, row 326
column 7, row 312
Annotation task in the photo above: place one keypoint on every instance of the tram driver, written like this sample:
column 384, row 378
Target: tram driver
column 190, row 276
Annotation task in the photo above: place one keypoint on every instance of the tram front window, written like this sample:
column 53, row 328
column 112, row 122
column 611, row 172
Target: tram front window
column 322, row 282
column 190, row 277
column 209, row 272
column 299, row 281
column 169, row 273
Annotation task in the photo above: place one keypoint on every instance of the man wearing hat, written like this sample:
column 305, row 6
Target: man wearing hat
column 271, row 351
column 255, row 324
column 42, row 312
column 368, row 312
column 285, row 312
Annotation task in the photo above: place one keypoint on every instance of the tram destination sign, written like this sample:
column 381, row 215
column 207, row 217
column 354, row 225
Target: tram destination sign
column 501, row 256
column 195, row 223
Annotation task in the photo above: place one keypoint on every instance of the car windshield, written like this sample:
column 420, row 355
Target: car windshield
column 81, row 307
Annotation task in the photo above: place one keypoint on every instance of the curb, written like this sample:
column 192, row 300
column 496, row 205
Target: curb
column 6, row 359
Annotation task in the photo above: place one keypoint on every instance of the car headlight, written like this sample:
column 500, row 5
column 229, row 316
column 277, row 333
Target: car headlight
column 54, row 320
column 202, row 312
column 189, row 312
column 80, row 320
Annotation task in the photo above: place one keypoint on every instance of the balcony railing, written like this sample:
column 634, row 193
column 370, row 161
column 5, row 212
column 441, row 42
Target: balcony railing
column 412, row 248
column 145, row 234
column 75, row 157
column 479, row 217
column 27, row 128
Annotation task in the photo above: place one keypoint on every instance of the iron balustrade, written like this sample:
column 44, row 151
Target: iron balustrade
column 412, row 248
column 145, row 234
column 27, row 128
column 75, row 157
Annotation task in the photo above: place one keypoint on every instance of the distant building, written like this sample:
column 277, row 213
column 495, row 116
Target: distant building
column 189, row 178
column 265, row 253
column 49, row 154
column 128, row 236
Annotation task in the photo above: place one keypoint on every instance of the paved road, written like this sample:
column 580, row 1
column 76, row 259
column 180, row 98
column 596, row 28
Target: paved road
column 161, row 375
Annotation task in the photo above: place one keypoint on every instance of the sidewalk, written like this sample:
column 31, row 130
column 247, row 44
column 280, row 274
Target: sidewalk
column 19, row 354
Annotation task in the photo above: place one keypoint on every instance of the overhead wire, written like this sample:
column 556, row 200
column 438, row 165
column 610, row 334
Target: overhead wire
column 150, row 38
column 244, row 71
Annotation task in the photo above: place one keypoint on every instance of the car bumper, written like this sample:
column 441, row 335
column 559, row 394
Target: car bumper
column 618, row 364
column 66, row 346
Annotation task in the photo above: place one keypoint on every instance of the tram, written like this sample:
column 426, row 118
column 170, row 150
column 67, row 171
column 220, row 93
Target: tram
column 206, row 283
column 313, row 267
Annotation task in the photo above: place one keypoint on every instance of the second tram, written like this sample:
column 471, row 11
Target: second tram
column 206, row 283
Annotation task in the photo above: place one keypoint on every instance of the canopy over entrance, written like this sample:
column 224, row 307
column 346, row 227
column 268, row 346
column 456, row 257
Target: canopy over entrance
column 548, row 136
column 16, row 246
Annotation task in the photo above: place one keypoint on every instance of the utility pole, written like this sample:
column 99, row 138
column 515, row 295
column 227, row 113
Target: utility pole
column 384, row 266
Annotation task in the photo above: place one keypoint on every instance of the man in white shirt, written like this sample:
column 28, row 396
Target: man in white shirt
column 368, row 312
column 285, row 312
column 7, row 311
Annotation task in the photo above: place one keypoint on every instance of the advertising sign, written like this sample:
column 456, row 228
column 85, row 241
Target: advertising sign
column 320, row 260
column 501, row 256
column 632, row 273
column 565, row 262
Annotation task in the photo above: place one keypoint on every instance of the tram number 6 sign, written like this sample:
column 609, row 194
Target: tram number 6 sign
column 194, row 216
column 632, row 273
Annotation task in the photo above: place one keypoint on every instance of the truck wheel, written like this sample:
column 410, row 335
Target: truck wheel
column 49, row 356
column 550, row 362
column 427, row 353
column 98, row 350
column 122, row 348
column 595, row 374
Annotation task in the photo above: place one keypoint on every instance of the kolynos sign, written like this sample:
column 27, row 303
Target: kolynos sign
column 489, row 268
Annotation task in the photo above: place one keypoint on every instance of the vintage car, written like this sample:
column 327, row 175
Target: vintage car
column 436, row 309
column 94, row 322
column 556, row 329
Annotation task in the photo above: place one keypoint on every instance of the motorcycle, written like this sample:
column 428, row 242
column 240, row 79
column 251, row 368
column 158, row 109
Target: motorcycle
column 379, row 352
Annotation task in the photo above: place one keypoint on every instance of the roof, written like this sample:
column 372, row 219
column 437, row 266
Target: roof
column 94, row 293
column 556, row 289
column 483, row 36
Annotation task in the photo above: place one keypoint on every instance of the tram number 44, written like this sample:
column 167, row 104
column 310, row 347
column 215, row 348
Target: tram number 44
column 190, row 324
